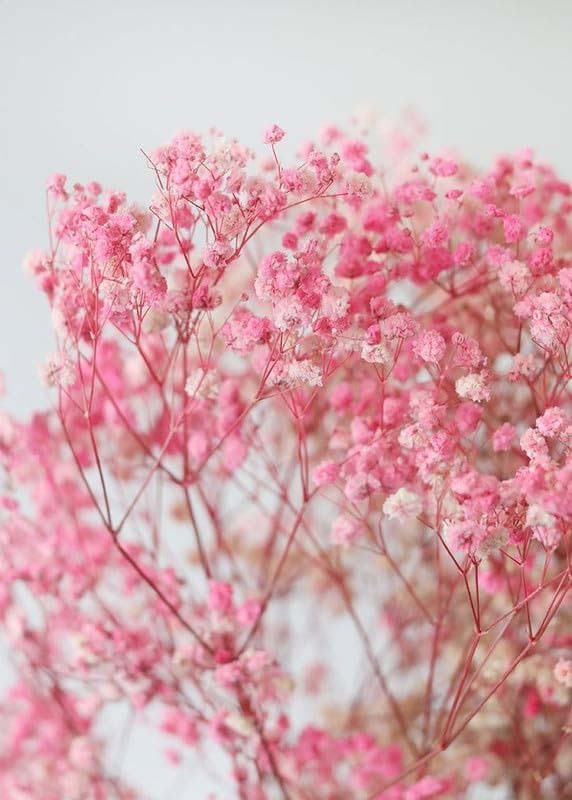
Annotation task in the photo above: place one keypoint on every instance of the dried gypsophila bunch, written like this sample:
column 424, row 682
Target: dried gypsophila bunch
column 307, row 421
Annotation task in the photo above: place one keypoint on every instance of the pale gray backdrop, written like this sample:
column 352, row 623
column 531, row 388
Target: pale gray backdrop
column 84, row 85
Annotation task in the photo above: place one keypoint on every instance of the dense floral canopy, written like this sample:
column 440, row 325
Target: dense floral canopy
column 301, row 500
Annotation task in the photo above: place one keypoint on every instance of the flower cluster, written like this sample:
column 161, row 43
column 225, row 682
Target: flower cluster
column 301, row 501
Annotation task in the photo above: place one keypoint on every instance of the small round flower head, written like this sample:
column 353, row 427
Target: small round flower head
column 553, row 422
column 515, row 277
column 473, row 387
column 216, row 255
column 326, row 473
column 430, row 346
column 503, row 437
column 273, row 135
column 376, row 353
column 535, row 446
column 443, row 168
column 544, row 235
column 402, row 505
column 248, row 612
column 345, row 530
column 465, row 536
column 360, row 486
column 220, row 596
column 359, row 185
column 56, row 186
column 563, row 672
column 514, row 228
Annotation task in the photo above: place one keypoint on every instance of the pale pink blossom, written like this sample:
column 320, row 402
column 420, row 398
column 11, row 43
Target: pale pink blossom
column 346, row 530
column 563, row 672
column 402, row 505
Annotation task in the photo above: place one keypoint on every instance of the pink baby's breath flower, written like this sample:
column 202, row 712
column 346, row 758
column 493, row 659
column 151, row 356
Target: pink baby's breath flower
column 216, row 255
column 503, row 437
column 544, row 235
column 515, row 277
column 273, row 135
column 443, row 167
column 535, row 446
column 305, row 372
column 360, row 486
column 345, row 530
column 522, row 190
column 326, row 473
column 248, row 612
column 513, row 228
column 465, row 536
column 220, row 597
column 56, row 186
column 563, row 672
column 359, row 185
column 402, row 505
column 430, row 347
column 553, row 422
column 467, row 351
column 473, row 387
column 376, row 353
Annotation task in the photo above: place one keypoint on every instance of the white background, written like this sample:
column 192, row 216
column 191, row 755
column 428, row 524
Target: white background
column 85, row 85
